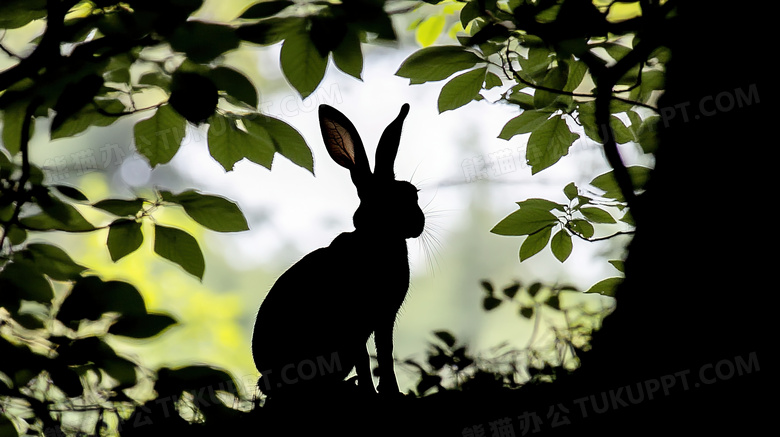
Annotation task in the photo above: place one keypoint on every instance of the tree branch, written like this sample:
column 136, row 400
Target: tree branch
column 21, row 193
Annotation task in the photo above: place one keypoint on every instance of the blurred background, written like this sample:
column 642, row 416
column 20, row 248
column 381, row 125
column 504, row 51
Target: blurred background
column 292, row 212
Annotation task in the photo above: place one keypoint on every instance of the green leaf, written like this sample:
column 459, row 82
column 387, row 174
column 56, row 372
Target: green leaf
column 524, row 100
column 570, row 190
column 144, row 326
column 120, row 207
column 158, row 138
column 544, row 204
column 548, row 143
column 265, row 9
column 437, row 63
column 54, row 262
column 13, row 118
column 461, row 90
column 348, row 56
column 597, row 215
column 7, row 428
column 607, row 183
column 581, row 227
column 156, row 78
column 179, row 247
column 124, row 237
column 535, row 242
column 534, row 289
column 214, row 212
column 577, row 71
column 525, row 221
column 527, row 121
column 492, row 80
column 618, row 264
column 302, row 64
column 287, row 141
column 554, row 79
column 621, row 132
column 228, row 143
column 17, row 13
column 606, row 287
column 235, row 84
column 561, row 245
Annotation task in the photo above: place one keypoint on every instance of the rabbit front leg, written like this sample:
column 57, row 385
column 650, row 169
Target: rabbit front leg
column 363, row 370
column 388, row 385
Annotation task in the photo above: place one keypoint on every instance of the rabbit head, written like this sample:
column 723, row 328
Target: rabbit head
column 388, row 207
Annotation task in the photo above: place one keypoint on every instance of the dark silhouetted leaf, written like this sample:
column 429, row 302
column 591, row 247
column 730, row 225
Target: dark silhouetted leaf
column 265, row 9
column 91, row 297
column 54, row 262
column 124, row 237
column 120, row 207
column 59, row 216
column 26, row 282
column 202, row 42
column 511, row 290
column 71, row 192
column 234, row 83
column 143, row 326
column 490, row 302
column 446, row 337
column 534, row 288
column 179, row 247
column 174, row 381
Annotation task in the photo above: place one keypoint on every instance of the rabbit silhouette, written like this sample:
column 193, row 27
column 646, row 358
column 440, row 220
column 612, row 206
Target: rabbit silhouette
column 311, row 330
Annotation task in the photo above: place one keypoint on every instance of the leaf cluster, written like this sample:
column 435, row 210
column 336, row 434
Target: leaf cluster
column 546, row 222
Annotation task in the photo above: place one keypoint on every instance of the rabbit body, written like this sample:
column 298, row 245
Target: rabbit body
column 313, row 325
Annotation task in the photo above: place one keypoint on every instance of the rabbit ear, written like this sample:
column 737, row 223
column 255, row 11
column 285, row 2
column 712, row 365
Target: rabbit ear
column 388, row 146
column 344, row 144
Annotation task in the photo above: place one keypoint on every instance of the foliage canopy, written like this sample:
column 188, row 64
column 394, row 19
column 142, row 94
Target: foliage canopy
column 571, row 68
